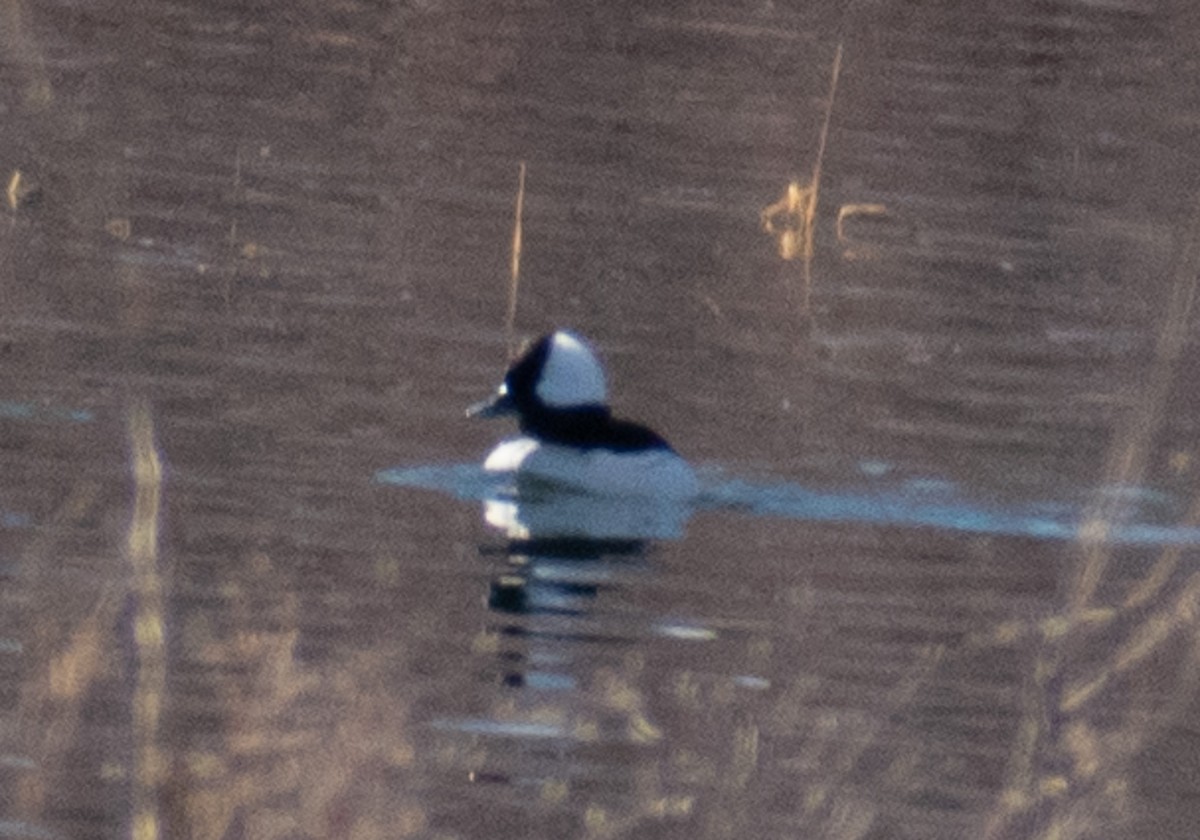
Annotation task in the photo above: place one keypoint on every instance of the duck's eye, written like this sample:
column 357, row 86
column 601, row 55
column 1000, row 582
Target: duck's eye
column 503, row 389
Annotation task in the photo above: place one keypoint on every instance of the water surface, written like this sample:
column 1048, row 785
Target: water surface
column 256, row 255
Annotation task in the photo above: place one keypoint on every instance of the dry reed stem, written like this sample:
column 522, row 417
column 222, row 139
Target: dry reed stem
column 1056, row 731
column 19, row 49
column 514, row 278
column 15, row 190
column 1144, row 590
column 149, row 635
column 1130, row 451
column 817, row 165
column 792, row 219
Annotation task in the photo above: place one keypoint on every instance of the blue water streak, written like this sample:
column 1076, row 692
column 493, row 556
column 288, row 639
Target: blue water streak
column 875, row 499
column 901, row 506
column 12, row 410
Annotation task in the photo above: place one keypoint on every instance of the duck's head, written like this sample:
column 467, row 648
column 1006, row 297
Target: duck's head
column 558, row 372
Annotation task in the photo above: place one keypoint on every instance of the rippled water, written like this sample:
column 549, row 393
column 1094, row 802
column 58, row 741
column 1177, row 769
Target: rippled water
column 254, row 264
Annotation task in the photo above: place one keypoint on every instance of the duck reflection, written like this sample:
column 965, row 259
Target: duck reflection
column 562, row 552
column 556, row 576
column 564, row 643
column 543, row 602
column 563, row 549
column 534, row 509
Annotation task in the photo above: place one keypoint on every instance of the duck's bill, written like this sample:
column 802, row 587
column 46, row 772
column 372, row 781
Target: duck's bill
column 499, row 405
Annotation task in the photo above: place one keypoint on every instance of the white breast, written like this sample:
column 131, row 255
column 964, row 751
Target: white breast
column 652, row 474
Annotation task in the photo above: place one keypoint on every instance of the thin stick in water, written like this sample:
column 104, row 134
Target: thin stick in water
column 514, row 279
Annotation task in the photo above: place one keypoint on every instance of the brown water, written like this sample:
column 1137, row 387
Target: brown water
column 264, row 249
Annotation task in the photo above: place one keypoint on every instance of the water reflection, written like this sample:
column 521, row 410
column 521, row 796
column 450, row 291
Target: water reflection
column 567, row 728
column 555, row 623
column 548, row 513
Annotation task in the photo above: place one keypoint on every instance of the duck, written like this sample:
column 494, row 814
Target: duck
column 569, row 438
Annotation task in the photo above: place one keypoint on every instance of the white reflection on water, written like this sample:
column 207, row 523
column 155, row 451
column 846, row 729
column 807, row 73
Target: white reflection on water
column 530, row 510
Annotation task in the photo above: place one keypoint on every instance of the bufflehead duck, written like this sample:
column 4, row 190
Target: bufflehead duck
column 568, row 434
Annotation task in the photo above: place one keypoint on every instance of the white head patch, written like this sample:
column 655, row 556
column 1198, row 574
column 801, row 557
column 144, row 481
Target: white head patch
column 571, row 374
